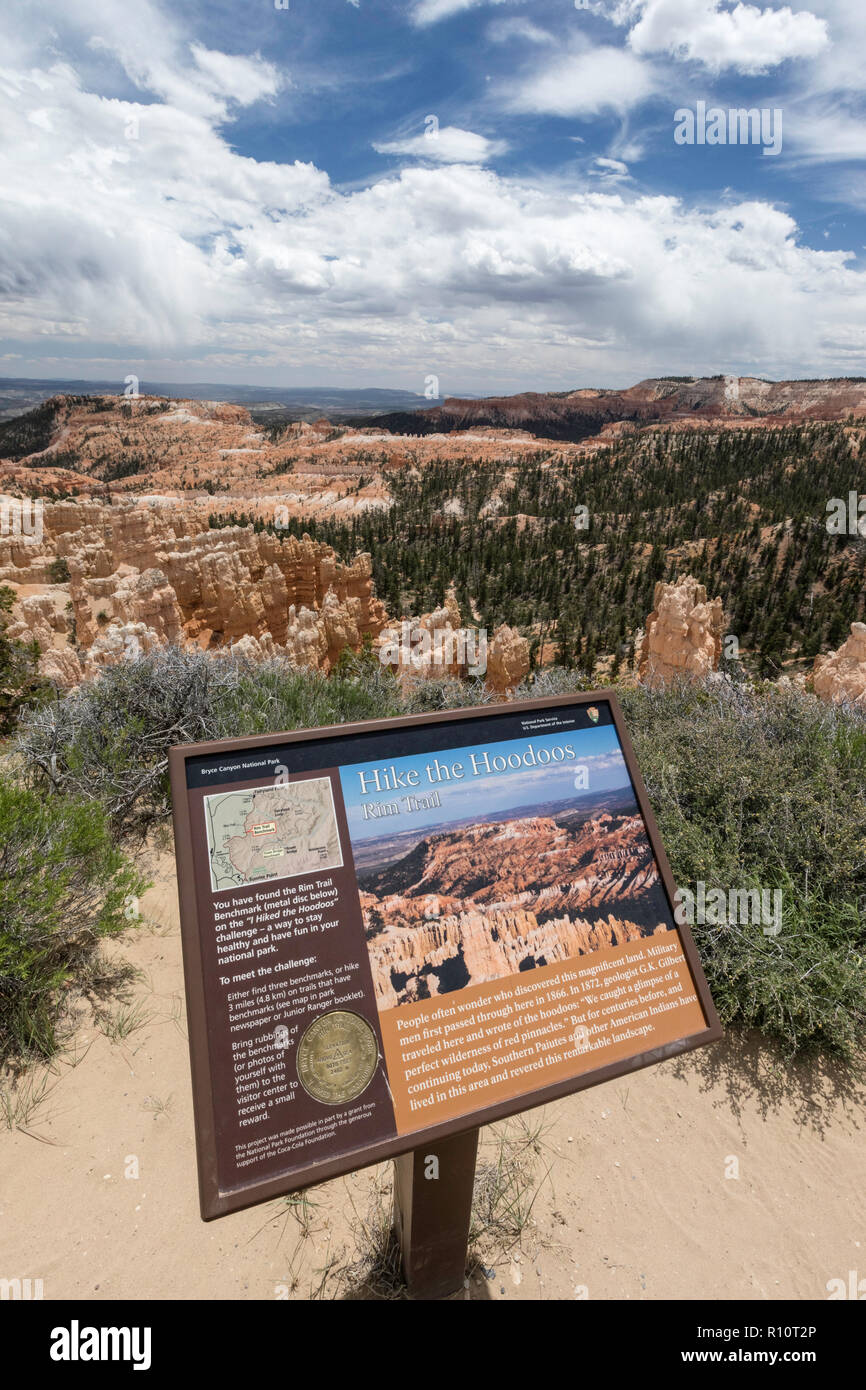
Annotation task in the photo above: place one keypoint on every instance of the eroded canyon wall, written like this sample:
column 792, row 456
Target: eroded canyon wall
column 151, row 571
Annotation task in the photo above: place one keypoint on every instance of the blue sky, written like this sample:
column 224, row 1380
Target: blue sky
column 597, row 751
column 340, row 193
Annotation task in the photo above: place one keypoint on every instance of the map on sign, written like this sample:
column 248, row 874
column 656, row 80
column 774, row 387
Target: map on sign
column 271, row 832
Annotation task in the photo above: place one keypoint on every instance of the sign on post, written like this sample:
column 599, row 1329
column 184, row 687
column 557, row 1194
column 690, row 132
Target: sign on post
column 397, row 931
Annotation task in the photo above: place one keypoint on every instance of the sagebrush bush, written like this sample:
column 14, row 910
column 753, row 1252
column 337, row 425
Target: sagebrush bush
column 64, row 885
column 109, row 739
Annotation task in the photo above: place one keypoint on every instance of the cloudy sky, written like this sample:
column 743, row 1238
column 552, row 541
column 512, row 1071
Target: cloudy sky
column 370, row 192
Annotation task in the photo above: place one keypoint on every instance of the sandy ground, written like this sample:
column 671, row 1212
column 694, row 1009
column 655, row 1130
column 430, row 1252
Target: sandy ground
column 720, row 1175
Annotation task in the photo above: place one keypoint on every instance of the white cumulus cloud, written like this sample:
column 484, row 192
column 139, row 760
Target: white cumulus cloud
column 746, row 38
column 130, row 229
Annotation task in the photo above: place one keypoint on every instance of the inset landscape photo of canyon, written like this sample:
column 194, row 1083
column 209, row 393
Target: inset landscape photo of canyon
column 528, row 869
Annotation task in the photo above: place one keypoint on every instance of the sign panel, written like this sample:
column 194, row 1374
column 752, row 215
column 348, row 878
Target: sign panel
column 398, row 930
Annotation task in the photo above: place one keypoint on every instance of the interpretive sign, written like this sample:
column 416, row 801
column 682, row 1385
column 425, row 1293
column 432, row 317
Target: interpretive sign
column 396, row 931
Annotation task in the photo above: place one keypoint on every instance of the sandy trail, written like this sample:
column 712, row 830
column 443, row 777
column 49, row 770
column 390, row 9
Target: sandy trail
column 640, row 1201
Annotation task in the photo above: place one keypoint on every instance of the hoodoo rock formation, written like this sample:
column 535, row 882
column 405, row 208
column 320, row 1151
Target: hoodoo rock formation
column 488, row 900
column 841, row 676
column 472, row 947
column 43, row 618
column 508, row 659
column 142, row 574
column 434, row 645
column 438, row 645
column 683, row 633
column 146, row 553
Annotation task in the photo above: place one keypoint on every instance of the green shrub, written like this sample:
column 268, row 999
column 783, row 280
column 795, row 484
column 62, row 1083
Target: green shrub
column 20, row 682
column 110, row 739
column 767, row 788
column 63, row 886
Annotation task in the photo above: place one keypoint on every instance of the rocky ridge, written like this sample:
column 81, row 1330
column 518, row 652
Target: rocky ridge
column 577, row 415
column 841, row 676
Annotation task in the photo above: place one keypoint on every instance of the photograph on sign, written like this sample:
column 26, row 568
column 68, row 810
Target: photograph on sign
column 418, row 926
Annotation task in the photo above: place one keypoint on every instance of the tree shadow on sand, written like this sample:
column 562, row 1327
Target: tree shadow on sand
column 745, row 1068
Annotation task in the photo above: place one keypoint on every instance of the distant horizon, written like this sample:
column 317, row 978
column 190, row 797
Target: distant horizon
column 427, row 401
column 240, row 385
column 527, row 811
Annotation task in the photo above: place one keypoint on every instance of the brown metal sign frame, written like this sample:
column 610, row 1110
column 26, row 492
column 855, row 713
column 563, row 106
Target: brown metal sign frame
column 217, row 1202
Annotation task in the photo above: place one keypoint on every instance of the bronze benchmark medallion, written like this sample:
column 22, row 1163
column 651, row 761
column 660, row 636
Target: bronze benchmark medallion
column 337, row 1057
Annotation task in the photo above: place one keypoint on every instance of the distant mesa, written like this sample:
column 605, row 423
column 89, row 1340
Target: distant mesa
column 578, row 415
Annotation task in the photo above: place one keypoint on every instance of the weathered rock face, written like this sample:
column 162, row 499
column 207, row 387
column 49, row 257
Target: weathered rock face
column 473, row 947
column 432, row 646
column 507, row 659
column 437, row 645
column 475, row 904
column 45, row 618
column 142, row 575
column 151, row 571
column 118, row 642
column 841, row 676
column 683, row 633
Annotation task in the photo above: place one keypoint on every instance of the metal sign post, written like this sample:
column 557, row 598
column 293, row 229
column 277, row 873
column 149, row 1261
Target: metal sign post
column 433, row 1207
